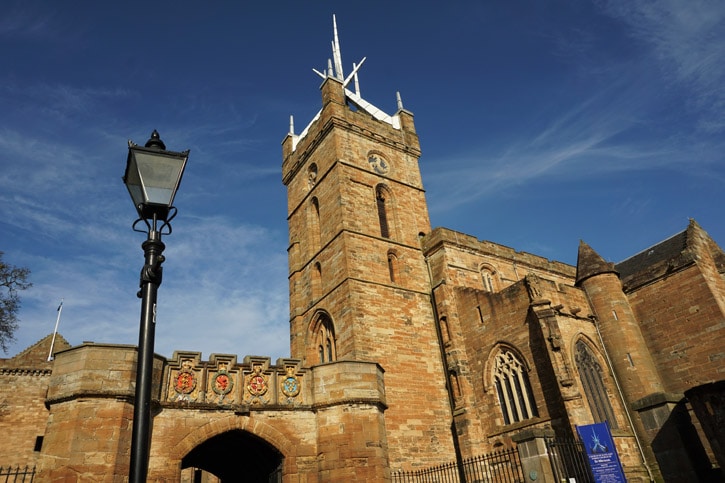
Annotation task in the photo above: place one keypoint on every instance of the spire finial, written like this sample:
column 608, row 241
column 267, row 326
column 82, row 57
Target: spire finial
column 291, row 125
column 400, row 100
column 336, row 50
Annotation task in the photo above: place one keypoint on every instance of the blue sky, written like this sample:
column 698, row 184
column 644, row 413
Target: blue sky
column 541, row 123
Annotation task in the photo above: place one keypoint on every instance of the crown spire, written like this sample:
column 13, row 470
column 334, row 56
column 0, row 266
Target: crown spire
column 336, row 54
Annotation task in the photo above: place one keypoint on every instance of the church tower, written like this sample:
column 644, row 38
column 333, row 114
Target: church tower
column 359, row 286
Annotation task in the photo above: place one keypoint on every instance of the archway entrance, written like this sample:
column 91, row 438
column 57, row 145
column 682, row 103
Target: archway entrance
column 235, row 456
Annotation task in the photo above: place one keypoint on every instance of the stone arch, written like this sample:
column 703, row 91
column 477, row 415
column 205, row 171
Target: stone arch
column 217, row 440
column 200, row 434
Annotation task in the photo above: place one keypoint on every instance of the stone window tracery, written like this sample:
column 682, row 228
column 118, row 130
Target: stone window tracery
column 590, row 373
column 513, row 389
column 325, row 339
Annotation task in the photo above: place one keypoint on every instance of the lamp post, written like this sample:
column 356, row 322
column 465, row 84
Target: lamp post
column 152, row 177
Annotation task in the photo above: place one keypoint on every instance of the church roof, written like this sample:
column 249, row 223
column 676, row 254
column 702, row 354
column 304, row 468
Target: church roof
column 664, row 251
column 667, row 256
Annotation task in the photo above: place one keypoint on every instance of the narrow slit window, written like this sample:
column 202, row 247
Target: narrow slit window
column 380, row 198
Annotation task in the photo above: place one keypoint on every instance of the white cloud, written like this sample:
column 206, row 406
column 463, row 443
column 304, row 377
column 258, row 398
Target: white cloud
column 688, row 40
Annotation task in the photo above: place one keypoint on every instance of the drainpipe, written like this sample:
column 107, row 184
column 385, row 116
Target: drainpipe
column 621, row 395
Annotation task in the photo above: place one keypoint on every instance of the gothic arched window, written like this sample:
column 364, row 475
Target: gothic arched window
column 590, row 373
column 511, row 379
column 487, row 277
column 324, row 333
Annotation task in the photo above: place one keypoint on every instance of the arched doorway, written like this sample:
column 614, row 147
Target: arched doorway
column 235, row 456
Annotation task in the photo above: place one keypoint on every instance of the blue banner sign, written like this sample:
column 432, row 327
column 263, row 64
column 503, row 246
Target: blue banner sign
column 602, row 453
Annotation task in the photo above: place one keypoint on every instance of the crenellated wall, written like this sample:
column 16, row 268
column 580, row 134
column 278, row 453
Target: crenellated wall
column 326, row 422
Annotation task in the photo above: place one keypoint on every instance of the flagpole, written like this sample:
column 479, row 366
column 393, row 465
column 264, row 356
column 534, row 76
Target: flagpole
column 55, row 331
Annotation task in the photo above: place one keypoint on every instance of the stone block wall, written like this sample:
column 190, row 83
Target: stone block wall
column 684, row 327
column 24, row 380
column 23, row 415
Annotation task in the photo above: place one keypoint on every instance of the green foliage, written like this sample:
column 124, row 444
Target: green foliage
column 12, row 279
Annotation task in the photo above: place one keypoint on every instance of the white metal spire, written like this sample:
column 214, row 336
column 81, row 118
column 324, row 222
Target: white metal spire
column 334, row 71
column 336, row 55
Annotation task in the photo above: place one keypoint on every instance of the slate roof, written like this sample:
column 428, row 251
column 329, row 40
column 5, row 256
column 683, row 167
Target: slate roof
column 668, row 249
column 665, row 257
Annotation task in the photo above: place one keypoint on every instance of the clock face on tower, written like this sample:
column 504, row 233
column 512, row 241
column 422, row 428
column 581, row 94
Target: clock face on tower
column 378, row 164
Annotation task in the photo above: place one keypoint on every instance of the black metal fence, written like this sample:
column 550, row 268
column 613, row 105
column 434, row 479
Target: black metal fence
column 569, row 460
column 497, row 467
column 17, row 474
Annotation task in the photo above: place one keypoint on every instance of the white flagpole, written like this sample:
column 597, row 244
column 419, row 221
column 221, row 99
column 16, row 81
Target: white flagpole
column 55, row 331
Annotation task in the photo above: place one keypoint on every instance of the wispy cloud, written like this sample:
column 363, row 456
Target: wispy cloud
column 688, row 40
column 25, row 21
column 622, row 118
column 224, row 291
column 580, row 142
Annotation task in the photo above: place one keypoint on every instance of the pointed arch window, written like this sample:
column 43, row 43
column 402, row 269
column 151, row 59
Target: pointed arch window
column 382, row 200
column 487, row 277
column 510, row 377
column 325, row 339
column 590, row 373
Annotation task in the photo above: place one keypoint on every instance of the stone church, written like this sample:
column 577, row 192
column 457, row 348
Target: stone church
column 411, row 346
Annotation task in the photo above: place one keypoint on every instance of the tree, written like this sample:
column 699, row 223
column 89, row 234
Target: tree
column 12, row 280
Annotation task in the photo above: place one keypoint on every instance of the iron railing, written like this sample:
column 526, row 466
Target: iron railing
column 17, row 474
column 497, row 467
column 569, row 460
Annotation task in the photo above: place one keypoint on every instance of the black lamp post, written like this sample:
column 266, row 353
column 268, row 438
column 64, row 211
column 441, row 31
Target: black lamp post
column 152, row 178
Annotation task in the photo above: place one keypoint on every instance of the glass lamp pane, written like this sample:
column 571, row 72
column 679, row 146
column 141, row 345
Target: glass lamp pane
column 159, row 176
column 133, row 182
